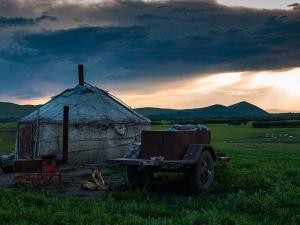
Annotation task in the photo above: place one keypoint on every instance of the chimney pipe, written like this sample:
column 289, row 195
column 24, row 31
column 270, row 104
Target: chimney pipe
column 81, row 75
column 65, row 135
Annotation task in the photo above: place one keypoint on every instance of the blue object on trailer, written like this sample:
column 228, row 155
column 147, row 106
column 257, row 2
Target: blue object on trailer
column 7, row 162
column 188, row 127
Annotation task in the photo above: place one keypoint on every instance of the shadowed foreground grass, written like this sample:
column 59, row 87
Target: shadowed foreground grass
column 260, row 185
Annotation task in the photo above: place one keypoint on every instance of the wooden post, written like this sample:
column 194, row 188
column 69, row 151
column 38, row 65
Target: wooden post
column 65, row 134
column 80, row 75
column 37, row 136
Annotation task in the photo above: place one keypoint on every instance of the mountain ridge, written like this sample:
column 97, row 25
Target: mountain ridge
column 240, row 110
column 12, row 111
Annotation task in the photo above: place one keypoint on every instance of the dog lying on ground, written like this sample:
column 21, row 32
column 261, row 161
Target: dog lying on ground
column 97, row 182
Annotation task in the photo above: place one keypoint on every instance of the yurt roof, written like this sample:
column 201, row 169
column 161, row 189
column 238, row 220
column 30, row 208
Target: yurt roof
column 88, row 105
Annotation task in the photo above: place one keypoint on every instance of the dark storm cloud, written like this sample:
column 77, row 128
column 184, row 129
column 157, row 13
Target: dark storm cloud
column 21, row 21
column 16, row 21
column 127, row 40
column 295, row 6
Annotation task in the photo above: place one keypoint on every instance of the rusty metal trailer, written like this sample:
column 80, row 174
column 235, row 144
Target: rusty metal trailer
column 185, row 149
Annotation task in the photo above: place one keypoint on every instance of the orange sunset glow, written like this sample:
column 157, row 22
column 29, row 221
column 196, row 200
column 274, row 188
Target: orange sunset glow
column 271, row 90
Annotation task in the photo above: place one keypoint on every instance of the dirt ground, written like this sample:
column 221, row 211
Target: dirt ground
column 176, row 184
column 71, row 178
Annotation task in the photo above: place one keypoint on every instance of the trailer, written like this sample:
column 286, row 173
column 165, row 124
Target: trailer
column 186, row 148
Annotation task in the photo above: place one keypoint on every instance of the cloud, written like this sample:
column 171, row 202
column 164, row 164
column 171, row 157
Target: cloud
column 20, row 21
column 16, row 21
column 295, row 6
column 126, row 41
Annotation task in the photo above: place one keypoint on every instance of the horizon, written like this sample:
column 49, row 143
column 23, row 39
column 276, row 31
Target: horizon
column 163, row 54
column 274, row 111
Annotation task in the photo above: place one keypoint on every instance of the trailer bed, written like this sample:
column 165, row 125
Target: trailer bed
column 158, row 163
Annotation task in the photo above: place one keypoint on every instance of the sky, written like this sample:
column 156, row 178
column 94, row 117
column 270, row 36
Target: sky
column 168, row 54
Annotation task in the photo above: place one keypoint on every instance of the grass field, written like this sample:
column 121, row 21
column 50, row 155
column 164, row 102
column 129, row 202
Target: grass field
column 7, row 137
column 260, row 185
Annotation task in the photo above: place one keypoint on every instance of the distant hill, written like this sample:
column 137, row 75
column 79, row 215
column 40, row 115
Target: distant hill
column 13, row 112
column 247, row 109
column 239, row 110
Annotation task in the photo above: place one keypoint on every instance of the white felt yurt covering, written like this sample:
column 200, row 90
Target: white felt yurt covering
column 101, row 127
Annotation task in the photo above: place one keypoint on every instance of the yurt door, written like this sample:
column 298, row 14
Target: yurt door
column 26, row 141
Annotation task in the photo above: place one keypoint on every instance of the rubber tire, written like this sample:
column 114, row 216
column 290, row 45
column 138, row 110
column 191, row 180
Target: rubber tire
column 138, row 177
column 197, row 184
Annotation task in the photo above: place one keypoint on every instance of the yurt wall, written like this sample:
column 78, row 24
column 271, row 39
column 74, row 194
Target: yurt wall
column 88, row 143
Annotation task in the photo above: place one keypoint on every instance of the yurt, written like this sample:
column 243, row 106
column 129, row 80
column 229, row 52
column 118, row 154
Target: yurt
column 99, row 126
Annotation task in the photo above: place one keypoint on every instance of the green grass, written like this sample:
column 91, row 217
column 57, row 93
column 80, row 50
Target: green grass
column 260, row 185
column 7, row 137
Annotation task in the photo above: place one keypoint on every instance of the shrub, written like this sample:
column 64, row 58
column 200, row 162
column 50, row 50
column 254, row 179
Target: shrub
column 275, row 124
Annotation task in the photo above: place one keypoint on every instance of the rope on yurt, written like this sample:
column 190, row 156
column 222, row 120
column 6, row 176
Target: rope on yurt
column 104, row 103
column 99, row 148
column 46, row 105
column 121, row 103
column 91, row 139
column 100, row 92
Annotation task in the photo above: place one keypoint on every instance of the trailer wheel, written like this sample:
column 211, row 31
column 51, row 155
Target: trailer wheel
column 203, row 172
column 139, row 177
